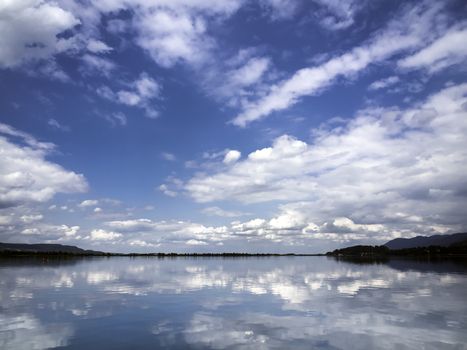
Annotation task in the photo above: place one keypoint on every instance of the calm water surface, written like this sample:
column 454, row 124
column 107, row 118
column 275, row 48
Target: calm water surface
column 214, row 303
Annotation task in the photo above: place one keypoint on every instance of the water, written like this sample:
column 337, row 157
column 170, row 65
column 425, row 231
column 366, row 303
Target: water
column 250, row 303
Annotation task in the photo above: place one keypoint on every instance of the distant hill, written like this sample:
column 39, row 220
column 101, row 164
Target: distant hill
column 424, row 241
column 44, row 248
column 361, row 250
column 438, row 245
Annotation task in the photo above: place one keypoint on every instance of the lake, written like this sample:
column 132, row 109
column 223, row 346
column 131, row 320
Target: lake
column 232, row 303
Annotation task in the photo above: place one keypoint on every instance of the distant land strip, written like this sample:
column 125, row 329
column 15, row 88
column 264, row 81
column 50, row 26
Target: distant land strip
column 19, row 249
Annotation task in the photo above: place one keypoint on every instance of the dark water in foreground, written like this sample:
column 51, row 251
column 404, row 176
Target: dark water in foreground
column 252, row 303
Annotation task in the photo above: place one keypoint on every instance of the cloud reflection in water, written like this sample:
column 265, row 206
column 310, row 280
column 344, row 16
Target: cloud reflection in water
column 231, row 303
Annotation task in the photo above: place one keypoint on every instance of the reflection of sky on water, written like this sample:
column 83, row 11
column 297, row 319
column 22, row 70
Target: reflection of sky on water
column 261, row 303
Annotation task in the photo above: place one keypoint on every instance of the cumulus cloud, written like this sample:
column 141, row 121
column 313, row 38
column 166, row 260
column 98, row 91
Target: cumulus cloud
column 409, row 31
column 32, row 229
column 231, row 156
column 139, row 93
column 30, row 31
column 168, row 232
column 28, row 219
column 171, row 37
column 176, row 32
column 144, row 89
column 103, row 235
column 292, row 226
column 385, row 165
column 26, row 176
column 170, row 32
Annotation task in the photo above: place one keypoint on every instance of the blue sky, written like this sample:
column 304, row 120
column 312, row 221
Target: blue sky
column 202, row 125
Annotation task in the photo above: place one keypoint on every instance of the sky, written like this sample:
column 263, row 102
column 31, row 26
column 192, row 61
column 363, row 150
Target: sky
column 231, row 125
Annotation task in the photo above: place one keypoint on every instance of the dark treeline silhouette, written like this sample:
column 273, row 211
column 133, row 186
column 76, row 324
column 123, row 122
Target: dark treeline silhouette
column 58, row 250
column 158, row 255
column 454, row 250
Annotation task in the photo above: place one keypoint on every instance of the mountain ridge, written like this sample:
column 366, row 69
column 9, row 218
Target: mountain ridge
column 426, row 241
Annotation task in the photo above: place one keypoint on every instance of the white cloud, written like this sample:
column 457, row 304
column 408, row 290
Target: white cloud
column 231, row 156
column 143, row 91
column 171, row 187
column 171, row 37
column 29, row 30
column 170, row 32
column 444, row 52
column 129, row 98
column 88, row 203
column 28, row 219
column 139, row 93
column 26, row 176
column 385, row 165
column 384, row 83
column 48, row 232
column 249, row 73
column 147, row 87
column 350, row 226
column 176, row 32
column 168, row 232
column 195, row 242
column 407, row 32
column 95, row 64
column 5, row 220
column 97, row 46
column 28, row 332
column 237, row 78
column 103, row 235
column 338, row 14
column 165, row 190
